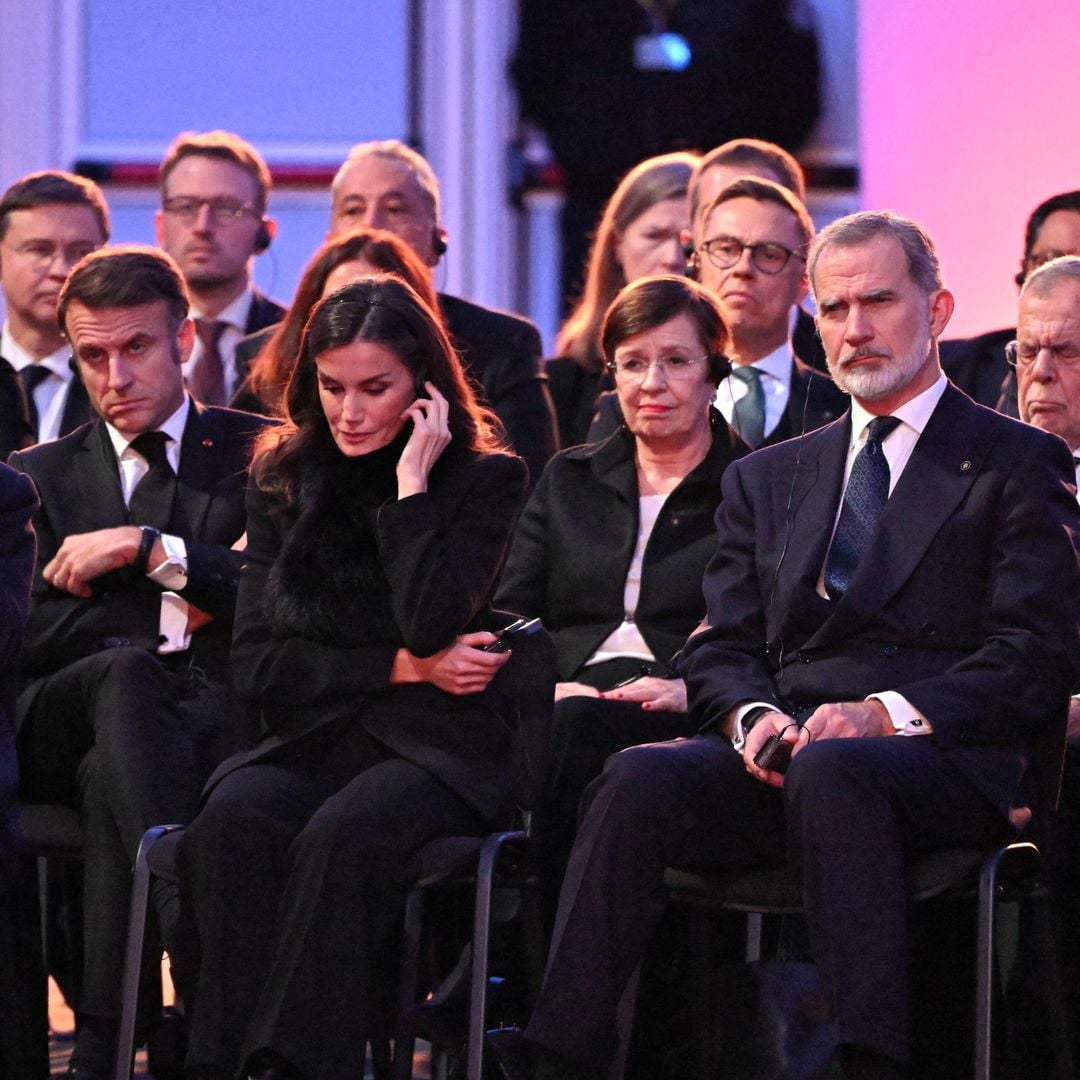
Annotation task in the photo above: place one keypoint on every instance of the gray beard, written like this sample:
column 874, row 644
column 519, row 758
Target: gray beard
column 891, row 376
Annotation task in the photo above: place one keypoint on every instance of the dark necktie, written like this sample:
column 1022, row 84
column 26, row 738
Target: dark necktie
column 31, row 377
column 864, row 499
column 154, row 495
column 207, row 383
column 750, row 408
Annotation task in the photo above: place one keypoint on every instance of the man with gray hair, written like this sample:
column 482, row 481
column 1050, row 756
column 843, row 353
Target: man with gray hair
column 882, row 590
column 388, row 185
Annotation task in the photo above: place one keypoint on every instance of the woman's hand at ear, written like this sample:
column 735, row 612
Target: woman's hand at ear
column 430, row 437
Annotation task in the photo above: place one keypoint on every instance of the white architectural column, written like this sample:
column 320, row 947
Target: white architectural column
column 467, row 119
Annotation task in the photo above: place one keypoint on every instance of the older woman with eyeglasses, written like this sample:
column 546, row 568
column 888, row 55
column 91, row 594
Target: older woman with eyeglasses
column 612, row 545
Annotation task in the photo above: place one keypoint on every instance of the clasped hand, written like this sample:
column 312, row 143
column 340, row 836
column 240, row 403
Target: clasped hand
column 463, row 667
column 85, row 556
column 430, row 437
column 836, row 720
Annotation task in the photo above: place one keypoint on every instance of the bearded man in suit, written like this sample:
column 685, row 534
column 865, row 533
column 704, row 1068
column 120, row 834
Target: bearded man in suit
column 896, row 596
column 129, row 629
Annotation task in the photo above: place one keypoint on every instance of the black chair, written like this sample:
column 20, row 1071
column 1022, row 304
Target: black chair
column 497, row 862
column 50, row 842
column 1010, row 874
column 528, row 681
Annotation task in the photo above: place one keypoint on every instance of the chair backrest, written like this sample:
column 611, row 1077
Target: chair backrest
column 527, row 681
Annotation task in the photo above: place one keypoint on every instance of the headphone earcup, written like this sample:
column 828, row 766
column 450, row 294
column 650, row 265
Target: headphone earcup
column 262, row 238
column 438, row 243
column 719, row 368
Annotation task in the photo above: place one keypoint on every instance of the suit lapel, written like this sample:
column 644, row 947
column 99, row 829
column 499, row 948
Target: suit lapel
column 76, row 407
column 200, row 453
column 938, row 475
column 814, row 495
column 97, row 479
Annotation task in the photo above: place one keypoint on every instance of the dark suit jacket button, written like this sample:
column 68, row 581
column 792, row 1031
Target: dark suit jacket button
column 804, row 657
column 890, row 650
column 928, row 629
column 116, row 642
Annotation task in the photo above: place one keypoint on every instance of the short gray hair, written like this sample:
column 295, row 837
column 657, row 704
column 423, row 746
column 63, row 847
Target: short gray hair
column 1059, row 271
column 396, row 150
column 856, row 229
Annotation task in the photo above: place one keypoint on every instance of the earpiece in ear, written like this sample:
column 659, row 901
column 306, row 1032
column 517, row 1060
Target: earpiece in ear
column 262, row 238
column 719, row 368
column 438, row 242
column 688, row 250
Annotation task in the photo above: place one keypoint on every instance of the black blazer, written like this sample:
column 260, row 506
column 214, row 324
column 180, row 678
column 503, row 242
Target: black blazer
column 502, row 353
column 966, row 602
column 441, row 552
column 263, row 315
column 977, row 366
column 573, row 545
column 78, row 480
column 805, row 342
column 16, row 430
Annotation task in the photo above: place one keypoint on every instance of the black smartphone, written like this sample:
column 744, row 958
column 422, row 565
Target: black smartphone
column 774, row 755
column 503, row 639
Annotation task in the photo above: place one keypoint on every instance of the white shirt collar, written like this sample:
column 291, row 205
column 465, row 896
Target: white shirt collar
column 914, row 413
column 19, row 358
column 777, row 364
column 236, row 314
column 173, row 427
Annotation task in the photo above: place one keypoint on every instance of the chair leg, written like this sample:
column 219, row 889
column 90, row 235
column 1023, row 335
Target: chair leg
column 140, row 900
column 984, row 966
column 404, row 1041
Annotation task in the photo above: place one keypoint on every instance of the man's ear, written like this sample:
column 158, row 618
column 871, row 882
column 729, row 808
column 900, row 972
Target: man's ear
column 159, row 229
column 185, row 339
column 941, row 309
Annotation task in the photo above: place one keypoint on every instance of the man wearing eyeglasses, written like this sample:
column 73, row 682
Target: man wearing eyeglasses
column 48, row 221
column 750, row 250
column 977, row 365
column 214, row 193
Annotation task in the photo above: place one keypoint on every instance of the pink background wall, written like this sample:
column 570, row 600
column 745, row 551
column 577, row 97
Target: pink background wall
column 968, row 119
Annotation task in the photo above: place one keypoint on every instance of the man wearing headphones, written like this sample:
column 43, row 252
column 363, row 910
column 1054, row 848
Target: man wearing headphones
column 387, row 185
column 215, row 188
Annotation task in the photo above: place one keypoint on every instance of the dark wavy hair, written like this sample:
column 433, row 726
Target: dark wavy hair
column 386, row 311
column 386, row 252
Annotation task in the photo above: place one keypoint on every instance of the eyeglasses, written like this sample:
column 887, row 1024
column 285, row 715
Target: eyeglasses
column 223, row 211
column 1024, row 356
column 633, row 369
column 725, row 251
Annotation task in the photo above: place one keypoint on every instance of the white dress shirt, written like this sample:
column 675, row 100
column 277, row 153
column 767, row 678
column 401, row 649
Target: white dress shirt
column 775, row 386
column 50, row 395
column 171, row 574
column 235, row 316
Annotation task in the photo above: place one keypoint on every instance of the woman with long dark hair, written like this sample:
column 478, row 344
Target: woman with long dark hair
column 377, row 521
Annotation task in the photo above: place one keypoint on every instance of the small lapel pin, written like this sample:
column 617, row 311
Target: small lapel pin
column 965, row 466
column 210, row 442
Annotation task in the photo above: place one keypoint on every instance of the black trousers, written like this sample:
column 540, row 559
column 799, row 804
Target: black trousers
column 296, row 869
column 585, row 732
column 128, row 738
column 851, row 815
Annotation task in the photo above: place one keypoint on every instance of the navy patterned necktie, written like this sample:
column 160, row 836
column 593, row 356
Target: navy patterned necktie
column 750, row 408
column 865, row 496
column 154, row 495
column 207, row 383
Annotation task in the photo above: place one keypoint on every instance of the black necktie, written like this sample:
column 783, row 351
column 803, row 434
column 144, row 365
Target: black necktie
column 864, row 499
column 750, row 408
column 31, row 377
column 154, row 495
column 208, row 379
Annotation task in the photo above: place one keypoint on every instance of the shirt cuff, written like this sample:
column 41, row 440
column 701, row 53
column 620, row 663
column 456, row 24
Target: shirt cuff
column 172, row 624
column 906, row 719
column 738, row 738
column 172, row 573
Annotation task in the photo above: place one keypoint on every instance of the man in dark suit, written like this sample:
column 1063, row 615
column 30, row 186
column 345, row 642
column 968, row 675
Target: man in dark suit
column 750, row 248
column 17, row 504
column 896, row 597
column 215, row 189
column 48, row 222
column 766, row 161
column 977, row 365
column 128, row 636
column 387, row 185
